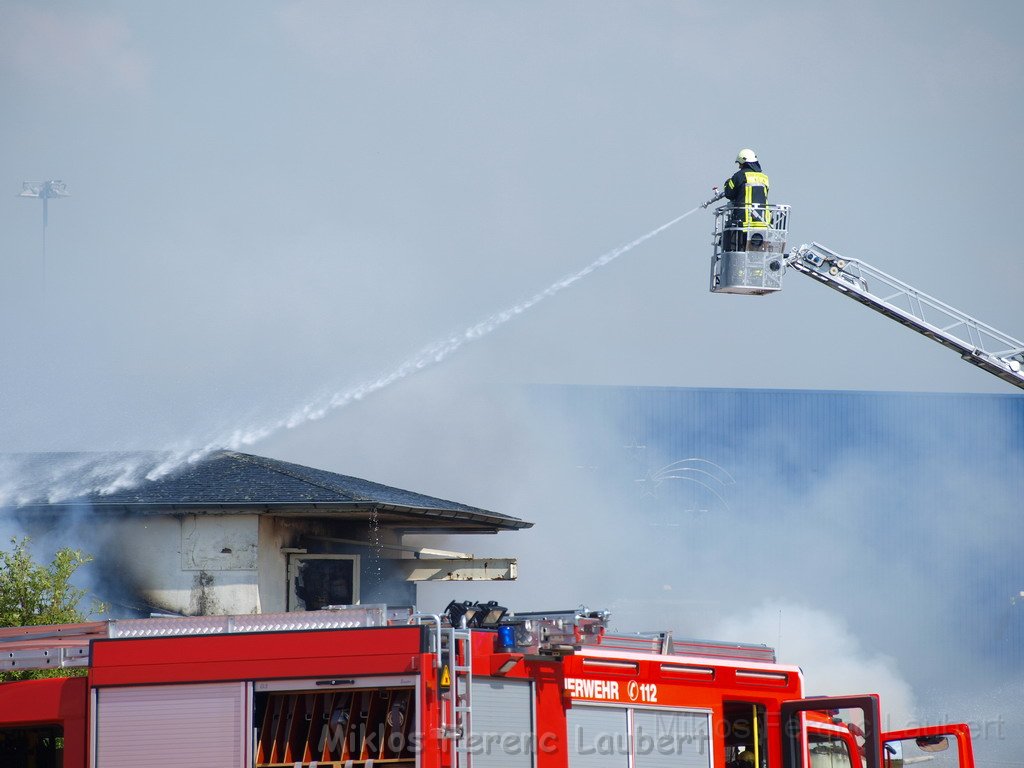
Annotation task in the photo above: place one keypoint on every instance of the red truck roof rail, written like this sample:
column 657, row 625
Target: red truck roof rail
column 67, row 645
column 56, row 646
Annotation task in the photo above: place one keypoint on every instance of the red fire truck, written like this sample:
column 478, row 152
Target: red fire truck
column 833, row 743
column 358, row 686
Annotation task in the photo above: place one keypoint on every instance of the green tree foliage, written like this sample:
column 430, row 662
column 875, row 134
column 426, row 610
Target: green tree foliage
column 33, row 593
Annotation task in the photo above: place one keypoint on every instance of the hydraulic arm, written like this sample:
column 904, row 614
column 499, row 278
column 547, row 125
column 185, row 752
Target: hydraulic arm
column 750, row 258
column 977, row 343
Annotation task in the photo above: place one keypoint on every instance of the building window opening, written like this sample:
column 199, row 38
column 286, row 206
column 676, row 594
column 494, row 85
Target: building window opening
column 41, row 747
column 746, row 740
column 316, row 581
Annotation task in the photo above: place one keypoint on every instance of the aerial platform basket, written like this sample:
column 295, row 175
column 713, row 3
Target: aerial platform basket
column 750, row 247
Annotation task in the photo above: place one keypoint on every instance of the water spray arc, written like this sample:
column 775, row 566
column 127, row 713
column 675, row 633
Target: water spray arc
column 126, row 472
column 440, row 351
column 425, row 358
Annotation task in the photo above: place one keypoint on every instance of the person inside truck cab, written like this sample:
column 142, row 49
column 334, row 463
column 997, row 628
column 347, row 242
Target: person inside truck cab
column 744, row 759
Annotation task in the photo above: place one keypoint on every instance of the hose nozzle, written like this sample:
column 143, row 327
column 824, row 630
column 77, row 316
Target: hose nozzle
column 718, row 196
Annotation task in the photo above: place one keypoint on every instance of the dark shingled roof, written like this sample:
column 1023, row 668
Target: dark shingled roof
column 232, row 481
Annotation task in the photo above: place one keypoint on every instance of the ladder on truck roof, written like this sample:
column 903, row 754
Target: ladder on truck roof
column 67, row 645
column 587, row 629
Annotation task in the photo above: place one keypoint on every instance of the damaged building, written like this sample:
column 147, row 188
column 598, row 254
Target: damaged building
column 239, row 533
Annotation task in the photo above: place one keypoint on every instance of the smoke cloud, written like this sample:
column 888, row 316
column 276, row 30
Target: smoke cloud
column 272, row 208
column 832, row 658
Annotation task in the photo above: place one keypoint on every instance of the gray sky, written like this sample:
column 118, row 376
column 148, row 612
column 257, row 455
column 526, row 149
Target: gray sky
column 274, row 202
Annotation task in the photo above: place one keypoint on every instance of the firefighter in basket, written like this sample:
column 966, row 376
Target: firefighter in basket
column 747, row 191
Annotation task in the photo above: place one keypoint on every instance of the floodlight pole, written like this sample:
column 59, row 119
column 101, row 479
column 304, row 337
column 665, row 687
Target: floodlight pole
column 44, row 190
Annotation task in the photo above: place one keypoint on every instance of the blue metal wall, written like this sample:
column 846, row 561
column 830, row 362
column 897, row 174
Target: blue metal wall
column 902, row 509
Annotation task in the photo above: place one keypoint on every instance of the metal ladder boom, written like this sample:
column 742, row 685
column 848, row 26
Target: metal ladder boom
column 977, row 343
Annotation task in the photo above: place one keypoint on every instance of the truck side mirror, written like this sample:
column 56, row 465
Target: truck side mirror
column 932, row 743
column 912, row 745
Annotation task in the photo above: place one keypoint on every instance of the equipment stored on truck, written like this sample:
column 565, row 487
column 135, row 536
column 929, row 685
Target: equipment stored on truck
column 357, row 686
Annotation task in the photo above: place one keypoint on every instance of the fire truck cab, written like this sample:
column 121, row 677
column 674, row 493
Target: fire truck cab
column 358, row 686
column 834, row 743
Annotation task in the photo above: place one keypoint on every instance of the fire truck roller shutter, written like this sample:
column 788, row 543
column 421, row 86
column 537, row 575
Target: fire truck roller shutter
column 171, row 726
column 601, row 737
column 664, row 738
column 598, row 737
column 503, row 723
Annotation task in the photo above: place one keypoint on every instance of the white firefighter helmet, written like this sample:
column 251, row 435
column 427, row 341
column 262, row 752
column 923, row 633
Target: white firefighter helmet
column 746, row 156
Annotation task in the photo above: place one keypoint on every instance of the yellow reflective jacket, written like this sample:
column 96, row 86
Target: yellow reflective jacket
column 748, row 190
